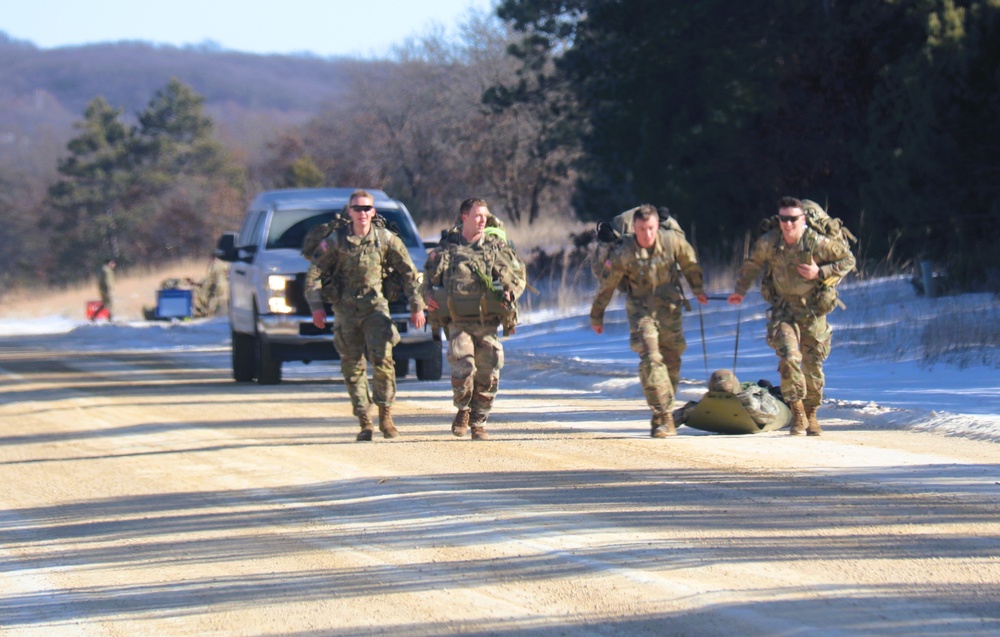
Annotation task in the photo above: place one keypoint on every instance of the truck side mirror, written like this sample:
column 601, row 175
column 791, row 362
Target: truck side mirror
column 225, row 248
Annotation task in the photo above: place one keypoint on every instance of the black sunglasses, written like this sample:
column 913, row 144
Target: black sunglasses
column 362, row 208
column 787, row 219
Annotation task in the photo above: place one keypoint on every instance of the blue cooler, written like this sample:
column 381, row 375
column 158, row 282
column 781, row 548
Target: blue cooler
column 173, row 304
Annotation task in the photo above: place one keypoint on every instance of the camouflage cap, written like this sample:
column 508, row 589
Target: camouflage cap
column 724, row 380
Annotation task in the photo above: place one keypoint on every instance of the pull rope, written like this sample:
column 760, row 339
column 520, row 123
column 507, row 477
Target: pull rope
column 704, row 346
column 739, row 309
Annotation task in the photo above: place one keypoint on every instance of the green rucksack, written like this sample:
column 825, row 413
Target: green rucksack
column 475, row 282
column 393, row 282
column 609, row 237
column 824, row 298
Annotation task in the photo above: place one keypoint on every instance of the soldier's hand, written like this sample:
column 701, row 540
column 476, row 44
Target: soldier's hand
column 598, row 329
column 702, row 298
column 809, row 270
column 417, row 318
column 432, row 305
column 735, row 299
column 319, row 319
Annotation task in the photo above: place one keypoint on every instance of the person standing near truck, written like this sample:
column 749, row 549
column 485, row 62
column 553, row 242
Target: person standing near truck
column 347, row 269
column 106, row 287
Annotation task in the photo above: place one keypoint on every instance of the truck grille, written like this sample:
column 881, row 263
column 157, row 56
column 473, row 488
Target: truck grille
column 295, row 297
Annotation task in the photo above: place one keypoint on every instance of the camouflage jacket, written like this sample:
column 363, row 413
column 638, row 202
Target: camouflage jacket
column 347, row 271
column 457, row 271
column 106, row 280
column 780, row 259
column 651, row 277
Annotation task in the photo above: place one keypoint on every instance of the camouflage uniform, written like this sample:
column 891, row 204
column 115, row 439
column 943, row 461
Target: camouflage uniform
column 347, row 272
column 475, row 353
column 106, row 286
column 796, row 329
column 653, row 303
column 211, row 292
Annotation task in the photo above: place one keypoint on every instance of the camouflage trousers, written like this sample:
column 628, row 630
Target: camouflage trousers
column 476, row 358
column 108, row 301
column 802, row 344
column 207, row 301
column 373, row 335
column 658, row 338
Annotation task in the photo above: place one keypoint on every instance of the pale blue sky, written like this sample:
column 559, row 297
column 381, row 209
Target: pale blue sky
column 362, row 28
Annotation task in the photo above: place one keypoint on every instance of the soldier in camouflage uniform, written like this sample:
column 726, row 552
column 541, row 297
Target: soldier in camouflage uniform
column 106, row 287
column 647, row 261
column 347, row 269
column 468, row 257
column 800, row 262
column 210, row 293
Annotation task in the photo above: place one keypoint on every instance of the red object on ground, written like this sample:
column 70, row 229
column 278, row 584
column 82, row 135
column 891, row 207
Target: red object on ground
column 96, row 310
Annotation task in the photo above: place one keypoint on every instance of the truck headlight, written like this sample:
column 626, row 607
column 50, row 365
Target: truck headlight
column 277, row 305
column 276, row 285
column 277, row 282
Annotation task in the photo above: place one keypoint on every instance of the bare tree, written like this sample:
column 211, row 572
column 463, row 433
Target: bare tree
column 417, row 125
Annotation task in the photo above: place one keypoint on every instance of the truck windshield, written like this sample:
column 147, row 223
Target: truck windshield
column 289, row 227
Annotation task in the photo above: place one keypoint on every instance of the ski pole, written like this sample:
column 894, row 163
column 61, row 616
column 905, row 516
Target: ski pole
column 739, row 306
column 737, row 348
column 704, row 346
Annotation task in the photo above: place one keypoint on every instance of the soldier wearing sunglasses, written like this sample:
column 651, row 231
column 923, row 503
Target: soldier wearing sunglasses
column 798, row 261
column 354, row 259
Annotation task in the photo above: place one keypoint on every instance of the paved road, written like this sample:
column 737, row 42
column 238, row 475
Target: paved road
column 147, row 494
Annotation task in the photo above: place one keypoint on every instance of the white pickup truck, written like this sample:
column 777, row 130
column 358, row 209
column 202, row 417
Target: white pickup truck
column 268, row 314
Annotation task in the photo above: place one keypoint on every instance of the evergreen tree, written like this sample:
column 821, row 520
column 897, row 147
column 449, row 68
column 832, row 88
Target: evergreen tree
column 884, row 110
column 145, row 192
column 183, row 172
column 676, row 98
column 934, row 136
column 174, row 136
column 96, row 190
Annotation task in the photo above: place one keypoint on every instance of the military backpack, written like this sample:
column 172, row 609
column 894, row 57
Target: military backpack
column 609, row 237
column 479, row 284
column 319, row 239
column 824, row 298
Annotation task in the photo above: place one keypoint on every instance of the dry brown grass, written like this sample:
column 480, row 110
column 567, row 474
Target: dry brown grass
column 134, row 289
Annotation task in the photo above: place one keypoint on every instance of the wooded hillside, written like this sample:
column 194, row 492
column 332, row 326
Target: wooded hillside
column 883, row 110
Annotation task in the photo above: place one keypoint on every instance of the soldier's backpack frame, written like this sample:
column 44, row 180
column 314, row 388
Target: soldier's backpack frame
column 722, row 412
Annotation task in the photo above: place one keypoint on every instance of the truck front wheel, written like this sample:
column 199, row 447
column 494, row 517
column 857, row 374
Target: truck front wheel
column 430, row 368
column 244, row 357
column 268, row 366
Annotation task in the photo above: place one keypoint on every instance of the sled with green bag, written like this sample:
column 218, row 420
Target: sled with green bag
column 733, row 408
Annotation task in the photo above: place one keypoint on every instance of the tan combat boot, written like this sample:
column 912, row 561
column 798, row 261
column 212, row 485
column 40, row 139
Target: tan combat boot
column 478, row 424
column 385, row 424
column 662, row 425
column 813, row 429
column 799, row 420
column 460, row 426
column 366, row 428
